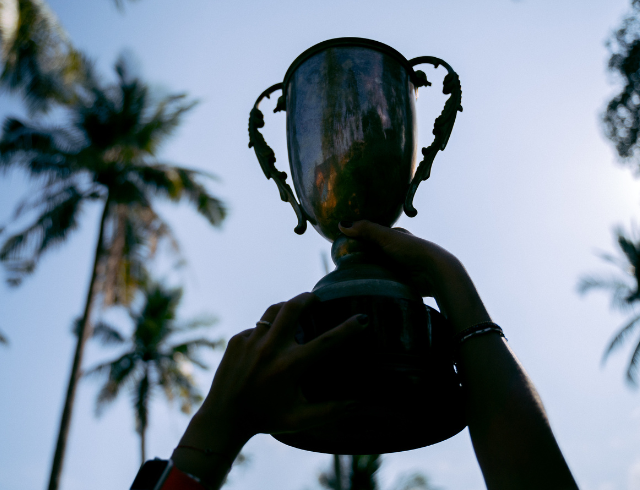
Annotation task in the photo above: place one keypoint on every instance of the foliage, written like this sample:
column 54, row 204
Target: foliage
column 106, row 152
column 38, row 60
column 622, row 115
column 624, row 288
column 153, row 360
column 361, row 474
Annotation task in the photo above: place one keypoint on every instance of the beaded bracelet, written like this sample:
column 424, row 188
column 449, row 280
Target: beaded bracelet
column 478, row 329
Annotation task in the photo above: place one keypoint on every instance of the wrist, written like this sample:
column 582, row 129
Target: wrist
column 215, row 431
column 209, row 446
column 457, row 295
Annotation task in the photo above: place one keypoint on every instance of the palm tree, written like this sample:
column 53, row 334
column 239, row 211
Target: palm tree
column 38, row 59
column 625, row 295
column 151, row 361
column 106, row 153
column 362, row 475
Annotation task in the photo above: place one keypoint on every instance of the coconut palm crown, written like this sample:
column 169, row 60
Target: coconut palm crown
column 625, row 296
column 151, row 360
column 37, row 58
column 105, row 152
column 360, row 473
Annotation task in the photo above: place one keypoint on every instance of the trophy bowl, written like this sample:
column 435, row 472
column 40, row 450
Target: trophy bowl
column 352, row 145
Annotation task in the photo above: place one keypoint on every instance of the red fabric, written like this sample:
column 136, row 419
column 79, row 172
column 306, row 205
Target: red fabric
column 177, row 480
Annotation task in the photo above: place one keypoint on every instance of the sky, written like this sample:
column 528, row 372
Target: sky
column 526, row 195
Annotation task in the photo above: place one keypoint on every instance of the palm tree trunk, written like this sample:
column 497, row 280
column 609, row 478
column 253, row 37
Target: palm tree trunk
column 337, row 470
column 143, row 435
column 83, row 333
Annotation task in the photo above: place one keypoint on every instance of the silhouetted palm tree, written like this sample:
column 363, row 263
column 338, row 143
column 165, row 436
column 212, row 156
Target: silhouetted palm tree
column 361, row 474
column 153, row 358
column 38, row 60
column 625, row 295
column 106, row 153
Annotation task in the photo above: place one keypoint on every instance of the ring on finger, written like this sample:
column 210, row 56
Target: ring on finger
column 265, row 323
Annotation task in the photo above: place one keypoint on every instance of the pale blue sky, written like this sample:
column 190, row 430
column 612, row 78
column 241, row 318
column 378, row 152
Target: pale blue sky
column 524, row 194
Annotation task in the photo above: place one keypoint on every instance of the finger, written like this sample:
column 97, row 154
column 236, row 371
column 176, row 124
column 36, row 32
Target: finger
column 402, row 230
column 312, row 351
column 268, row 316
column 287, row 318
column 369, row 231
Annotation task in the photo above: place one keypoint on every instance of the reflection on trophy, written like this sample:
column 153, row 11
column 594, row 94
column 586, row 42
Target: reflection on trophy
column 352, row 144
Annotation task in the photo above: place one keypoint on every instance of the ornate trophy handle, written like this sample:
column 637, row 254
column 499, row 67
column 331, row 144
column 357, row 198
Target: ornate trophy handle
column 267, row 157
column 441, row 128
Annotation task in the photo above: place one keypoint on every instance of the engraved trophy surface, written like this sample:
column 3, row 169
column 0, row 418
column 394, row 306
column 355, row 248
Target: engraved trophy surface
column 352, row 144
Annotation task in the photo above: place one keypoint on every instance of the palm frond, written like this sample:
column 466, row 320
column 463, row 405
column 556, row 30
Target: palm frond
column 177, row 183
column 206, row 204
column 632, row 368
column 21, row 251
column 621, row 336
column 41, row 151
column 107, row 334
column 198, row 322
column 167, row 116
column 415, row 481
column 119, row 373
column 187, row 348
column 619, row 262
column 618, row 286
column 39, row 61
column 177, row 384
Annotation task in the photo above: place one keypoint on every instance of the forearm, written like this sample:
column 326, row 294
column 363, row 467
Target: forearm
column 509, row 429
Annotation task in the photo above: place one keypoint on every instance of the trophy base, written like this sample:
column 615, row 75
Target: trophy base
column 399, row 369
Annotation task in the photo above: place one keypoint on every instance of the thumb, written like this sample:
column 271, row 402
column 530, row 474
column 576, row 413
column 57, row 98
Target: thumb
column 366, row 230
column 386, row 238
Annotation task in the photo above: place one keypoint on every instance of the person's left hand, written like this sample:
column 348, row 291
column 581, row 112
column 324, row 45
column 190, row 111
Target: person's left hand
column 256, row 387
column 257, row 383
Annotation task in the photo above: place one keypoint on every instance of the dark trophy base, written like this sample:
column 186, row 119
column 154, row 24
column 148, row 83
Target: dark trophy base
column 400, row 367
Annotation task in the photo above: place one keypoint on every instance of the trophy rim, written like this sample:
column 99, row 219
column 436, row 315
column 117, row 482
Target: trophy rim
column 347, row 42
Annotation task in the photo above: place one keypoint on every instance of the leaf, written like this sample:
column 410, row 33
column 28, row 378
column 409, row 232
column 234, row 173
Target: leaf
column 621, row 336
column 21, row 251
column 620, row 290
column 632, row 369
column 107, row 334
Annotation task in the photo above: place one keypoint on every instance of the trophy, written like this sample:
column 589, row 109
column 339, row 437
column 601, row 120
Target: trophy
column 352, row 144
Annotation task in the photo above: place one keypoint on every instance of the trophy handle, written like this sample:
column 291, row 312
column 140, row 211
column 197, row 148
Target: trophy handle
column 267, row 157
column 441, row 128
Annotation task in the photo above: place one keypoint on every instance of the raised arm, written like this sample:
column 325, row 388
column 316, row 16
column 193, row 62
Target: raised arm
column 511, row 436
column 256, row 390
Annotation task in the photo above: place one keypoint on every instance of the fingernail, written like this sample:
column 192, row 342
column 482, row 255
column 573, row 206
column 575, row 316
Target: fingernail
column 346, row 224
column 363, row 320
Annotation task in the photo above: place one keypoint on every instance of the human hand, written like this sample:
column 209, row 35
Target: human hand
column 431, row 269
column 256, row 387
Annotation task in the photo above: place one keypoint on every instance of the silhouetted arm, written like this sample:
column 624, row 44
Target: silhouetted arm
column 511, row 436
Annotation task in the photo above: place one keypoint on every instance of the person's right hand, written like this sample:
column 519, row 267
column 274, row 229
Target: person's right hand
column 429, row 268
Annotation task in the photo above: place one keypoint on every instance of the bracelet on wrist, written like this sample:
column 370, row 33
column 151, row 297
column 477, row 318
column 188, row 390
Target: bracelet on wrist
column 475, row 330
